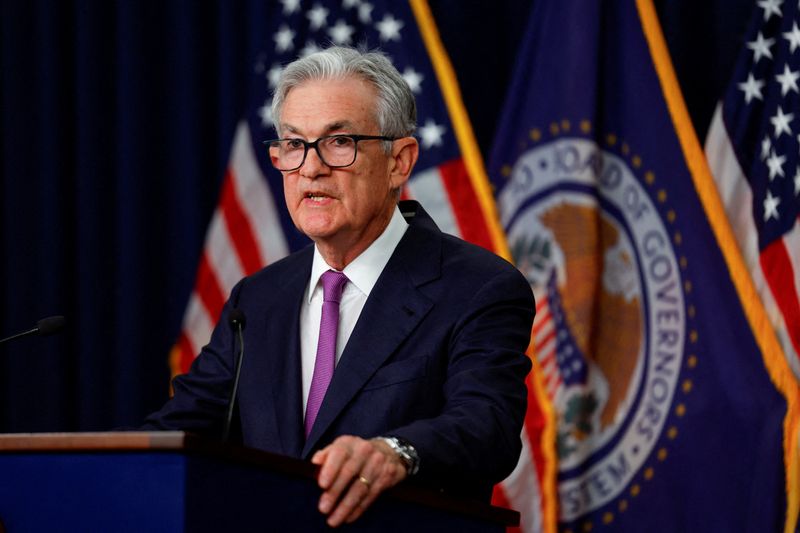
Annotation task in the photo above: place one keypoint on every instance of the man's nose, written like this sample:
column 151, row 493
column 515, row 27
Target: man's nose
column 313, row 166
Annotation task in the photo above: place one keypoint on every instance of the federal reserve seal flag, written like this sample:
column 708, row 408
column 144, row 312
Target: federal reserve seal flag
column 673, row 409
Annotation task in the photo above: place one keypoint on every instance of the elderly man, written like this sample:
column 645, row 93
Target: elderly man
column 388, row 349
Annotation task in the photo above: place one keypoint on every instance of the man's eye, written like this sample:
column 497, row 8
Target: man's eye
column 294, row 144
column 342, row 141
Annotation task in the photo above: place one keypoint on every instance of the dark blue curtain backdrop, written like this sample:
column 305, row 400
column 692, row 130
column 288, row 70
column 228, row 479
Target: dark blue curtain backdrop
column 117, row 118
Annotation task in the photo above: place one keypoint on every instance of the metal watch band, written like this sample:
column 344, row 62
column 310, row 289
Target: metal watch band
column 406, row 451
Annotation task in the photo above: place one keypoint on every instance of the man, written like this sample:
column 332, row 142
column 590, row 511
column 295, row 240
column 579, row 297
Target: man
column 429, row 346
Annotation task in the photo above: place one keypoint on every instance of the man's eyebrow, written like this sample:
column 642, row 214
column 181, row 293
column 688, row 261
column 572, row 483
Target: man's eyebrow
column 341, row 125
column 333, row 126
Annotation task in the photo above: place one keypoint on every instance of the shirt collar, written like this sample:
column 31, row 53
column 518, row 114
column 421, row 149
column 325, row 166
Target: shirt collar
column 364, row 270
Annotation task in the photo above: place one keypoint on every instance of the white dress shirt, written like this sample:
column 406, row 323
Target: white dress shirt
column 362, row 273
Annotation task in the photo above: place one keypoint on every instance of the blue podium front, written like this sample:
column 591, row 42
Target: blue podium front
column 173, row 482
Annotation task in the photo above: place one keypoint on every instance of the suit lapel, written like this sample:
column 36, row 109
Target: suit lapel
column 394, row 308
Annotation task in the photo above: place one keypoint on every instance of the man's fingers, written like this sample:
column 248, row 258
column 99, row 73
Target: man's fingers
column 356, row 499
column 343, row 463
column 370, row 496
column 354, row 472
column 376, row 475
column 333, row 459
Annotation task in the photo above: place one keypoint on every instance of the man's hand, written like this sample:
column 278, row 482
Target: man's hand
column 353, row 473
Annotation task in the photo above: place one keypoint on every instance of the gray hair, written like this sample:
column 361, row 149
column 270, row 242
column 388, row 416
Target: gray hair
column 396, row 111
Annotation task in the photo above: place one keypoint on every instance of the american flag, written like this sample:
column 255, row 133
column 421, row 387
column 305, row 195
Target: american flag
column 559, row 356
column 251, row 228
column 752, row 148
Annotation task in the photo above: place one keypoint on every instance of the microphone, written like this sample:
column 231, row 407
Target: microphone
column 44, row 327
column 236, row 319
column 237, row 322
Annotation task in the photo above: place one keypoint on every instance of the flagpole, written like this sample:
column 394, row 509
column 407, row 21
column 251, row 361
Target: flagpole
column 463, row 129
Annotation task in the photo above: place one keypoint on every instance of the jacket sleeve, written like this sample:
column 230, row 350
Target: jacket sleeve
column 200, row 400
column 475, row 440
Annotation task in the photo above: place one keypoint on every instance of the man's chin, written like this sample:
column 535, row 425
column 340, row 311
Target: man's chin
column 318, row 232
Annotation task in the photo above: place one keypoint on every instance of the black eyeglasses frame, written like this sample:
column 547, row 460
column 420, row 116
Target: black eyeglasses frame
column 315, row 146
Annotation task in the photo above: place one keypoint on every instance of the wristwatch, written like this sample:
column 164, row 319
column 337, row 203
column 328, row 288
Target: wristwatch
column 405, row 451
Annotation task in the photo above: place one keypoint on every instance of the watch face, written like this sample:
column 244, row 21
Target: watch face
column 406, row 452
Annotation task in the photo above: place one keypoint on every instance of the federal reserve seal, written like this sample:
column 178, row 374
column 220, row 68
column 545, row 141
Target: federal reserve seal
column 611, row 326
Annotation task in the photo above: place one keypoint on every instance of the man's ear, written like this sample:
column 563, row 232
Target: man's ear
column 405, row 152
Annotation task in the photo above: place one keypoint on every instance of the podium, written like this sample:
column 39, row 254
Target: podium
column 176, row 482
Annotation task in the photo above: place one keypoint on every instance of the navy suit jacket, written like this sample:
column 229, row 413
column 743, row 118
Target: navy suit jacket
column 436, row 357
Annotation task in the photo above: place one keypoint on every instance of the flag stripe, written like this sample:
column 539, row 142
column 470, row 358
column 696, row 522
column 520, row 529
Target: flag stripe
column 540, row 426
column 734, row 190
column 197, row 326
column 547, row 359
column 542, row 324
column 430, row 186
column 211, row 296
column 791, row 242
column 256, row 199
column 500, row 499
column 185, row 353
column 224, row 264
column 545, row 340
column 541, row 303
column 778, row 271
column 521, row 488
column 244, row 242
column 462, row 197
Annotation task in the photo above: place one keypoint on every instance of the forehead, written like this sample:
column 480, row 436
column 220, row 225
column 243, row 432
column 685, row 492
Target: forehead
column 323, row 106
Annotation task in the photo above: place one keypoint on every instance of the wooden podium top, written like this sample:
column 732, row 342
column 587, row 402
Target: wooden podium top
column 180, row 442
column 117, row 440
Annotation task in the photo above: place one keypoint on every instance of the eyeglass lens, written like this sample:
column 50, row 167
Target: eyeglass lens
column 335, row 151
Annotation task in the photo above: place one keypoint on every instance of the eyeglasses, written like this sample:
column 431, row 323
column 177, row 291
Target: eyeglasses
column 336, row 151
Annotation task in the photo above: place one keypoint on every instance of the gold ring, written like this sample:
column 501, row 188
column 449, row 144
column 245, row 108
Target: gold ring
column 364, row 480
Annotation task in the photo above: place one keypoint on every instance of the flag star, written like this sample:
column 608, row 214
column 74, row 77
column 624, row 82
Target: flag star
column 283, row 39
column 290, row 6
column 770, row 7
column 365, row 12
column 341, row 33
column 752, row 88
column 413, row 79
column 797, row 181
column 771, row 207
column 793, row 37
column 788, row 80
column 431, row 134
column 389, row 28
column 309, row 48
column 317, row 16
column 766, row 146
column 781, row 123
column 265, row 113
column 775, row 164
column 274, row 74
column 760, row 47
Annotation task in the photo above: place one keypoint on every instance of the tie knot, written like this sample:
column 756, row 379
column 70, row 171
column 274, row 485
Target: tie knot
column 332, row 286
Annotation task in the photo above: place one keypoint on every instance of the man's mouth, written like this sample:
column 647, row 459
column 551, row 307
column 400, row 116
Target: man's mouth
column 316, row 196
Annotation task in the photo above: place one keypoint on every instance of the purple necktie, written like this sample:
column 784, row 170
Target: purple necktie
column 332, row 286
